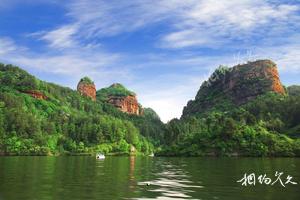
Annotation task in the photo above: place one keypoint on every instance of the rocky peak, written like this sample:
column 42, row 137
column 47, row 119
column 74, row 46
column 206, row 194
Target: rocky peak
column 237, row 84
column 121, row 98
column 262, row 73
column 86, row 87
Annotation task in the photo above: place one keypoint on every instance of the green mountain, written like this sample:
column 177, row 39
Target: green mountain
column 40, row 118
column 243, row 110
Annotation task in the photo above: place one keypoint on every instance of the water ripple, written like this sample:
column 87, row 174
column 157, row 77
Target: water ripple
column 171, row 183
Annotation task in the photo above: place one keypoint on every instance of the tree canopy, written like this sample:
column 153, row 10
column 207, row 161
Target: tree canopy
column 64, row 123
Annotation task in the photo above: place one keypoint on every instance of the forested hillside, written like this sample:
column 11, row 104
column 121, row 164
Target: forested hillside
column 242, row 110
column 43, row 118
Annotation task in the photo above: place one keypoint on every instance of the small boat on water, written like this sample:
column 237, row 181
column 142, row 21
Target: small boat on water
column 100, row 156
column 151, row 155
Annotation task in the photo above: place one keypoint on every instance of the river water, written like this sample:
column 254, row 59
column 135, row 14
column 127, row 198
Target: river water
column 71, row 178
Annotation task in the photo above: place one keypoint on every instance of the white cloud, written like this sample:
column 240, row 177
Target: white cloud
column 212, row 22
column 61, row 37
column 102, row 18
column 241, row 14
column 6, row 45
column 192, row 22
column 200, row 23
column 75, row 63
column 186, row 38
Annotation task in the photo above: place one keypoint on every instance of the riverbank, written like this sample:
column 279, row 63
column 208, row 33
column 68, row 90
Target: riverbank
column 72, row 154
column 208, row 155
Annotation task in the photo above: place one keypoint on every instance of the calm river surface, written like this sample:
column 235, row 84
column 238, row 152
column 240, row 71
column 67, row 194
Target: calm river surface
column 71, row 178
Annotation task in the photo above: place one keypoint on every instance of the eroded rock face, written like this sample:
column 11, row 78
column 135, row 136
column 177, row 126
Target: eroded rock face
column 238, row 84
column 36, row 94
column 276, row 86
column 128, row 104
column 87, row 89
column 245, row 82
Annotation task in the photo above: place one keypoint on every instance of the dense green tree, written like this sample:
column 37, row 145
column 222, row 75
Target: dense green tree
column 68, row 122
column 65, row 121
column 259, row 128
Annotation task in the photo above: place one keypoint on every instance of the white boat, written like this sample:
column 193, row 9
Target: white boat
column 100, row 156
column 151, row 155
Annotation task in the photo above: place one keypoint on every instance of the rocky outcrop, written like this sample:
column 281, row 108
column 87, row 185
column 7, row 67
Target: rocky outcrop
column 121, row 98
column 87, row 88
column 237, row 85
column 36, row 94
column 245, row 82
column 127, row 104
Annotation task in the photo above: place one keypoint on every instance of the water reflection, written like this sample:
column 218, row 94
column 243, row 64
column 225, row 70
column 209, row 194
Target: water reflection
column 77, row 178
column 171, row 183
column 132, row 181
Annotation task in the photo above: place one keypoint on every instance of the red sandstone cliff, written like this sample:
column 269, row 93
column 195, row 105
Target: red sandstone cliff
column 121, row 98
column 128, row 104
column 238, row 84
column 87, row 88
column 259, row 77
column 273, row 75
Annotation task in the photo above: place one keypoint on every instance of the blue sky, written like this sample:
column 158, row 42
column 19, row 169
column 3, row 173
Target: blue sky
column 161, row 49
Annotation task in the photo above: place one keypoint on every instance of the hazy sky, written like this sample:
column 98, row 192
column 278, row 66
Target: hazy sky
column 160, row 49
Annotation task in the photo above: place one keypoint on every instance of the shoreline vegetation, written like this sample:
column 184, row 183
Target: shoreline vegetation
column 208, row 155
column 45, row 119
